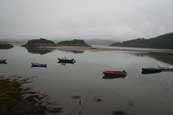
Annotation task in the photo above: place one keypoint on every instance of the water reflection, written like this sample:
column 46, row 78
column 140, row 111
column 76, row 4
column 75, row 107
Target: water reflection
column 111, row 77
column 163, row 57
column 91, row 94
column 76, row 97
column 131, row 104
column 81, row 103
column 97, row 99
column 40, row 51
column 118, row 113
column 73, row 51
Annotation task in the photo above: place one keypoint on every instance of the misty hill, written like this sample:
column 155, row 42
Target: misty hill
column 99, row 42
column 164, row 41
column 14, row 41
column 35, row 43
column 74, row 42
column 5, row 45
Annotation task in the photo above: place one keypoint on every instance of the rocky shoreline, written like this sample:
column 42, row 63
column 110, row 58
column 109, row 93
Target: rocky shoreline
column 16, row 99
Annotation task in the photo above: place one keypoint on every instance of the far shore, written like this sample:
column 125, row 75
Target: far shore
column 95, row 48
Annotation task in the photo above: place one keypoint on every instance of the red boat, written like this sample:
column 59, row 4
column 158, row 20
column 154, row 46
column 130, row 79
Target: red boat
column 114, row 74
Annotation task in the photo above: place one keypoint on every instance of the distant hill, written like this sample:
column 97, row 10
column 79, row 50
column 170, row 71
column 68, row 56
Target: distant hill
column 39, row 43
column 164, row 41
column 5, row 45
column 14, row 41
column 99, row 42
column 74, row 42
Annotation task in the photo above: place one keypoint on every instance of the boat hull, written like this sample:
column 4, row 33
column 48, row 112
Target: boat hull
column 151, row 70
column 70, row 61
column 114, row 74
column 38, row 65
column 3, row 61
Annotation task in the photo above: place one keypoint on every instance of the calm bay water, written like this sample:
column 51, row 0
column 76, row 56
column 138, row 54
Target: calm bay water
column 136, row 94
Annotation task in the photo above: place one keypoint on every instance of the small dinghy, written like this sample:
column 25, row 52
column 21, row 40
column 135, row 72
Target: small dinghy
column 114, row 74
column 3, row 61
column 38, row 65
column 65, row 60
column 151, row 70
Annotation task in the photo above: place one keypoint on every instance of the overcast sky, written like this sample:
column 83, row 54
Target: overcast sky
column 85, row 19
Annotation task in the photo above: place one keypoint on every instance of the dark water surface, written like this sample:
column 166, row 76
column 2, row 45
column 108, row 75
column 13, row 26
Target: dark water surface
column 80, row 88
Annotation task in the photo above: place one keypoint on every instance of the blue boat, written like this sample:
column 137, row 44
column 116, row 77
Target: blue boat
column 38, row 65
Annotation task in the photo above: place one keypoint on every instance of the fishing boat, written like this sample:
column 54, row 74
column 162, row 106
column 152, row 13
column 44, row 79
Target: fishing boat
column 151, row 70
column 3, row 61
column 114, row 74
column 65, row 60
column 38, row 65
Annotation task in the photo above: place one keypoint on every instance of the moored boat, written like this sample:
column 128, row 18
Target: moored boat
column 38, row 65
column 114, row 74
column 3, row 61
column 64, row 60
column 151, row 70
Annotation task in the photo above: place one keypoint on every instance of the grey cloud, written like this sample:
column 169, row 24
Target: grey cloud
column 86, row 19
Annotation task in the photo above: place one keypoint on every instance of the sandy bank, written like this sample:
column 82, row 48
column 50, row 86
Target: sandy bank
column 79, row 48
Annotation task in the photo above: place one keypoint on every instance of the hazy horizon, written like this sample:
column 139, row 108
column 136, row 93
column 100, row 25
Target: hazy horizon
column 85, row 19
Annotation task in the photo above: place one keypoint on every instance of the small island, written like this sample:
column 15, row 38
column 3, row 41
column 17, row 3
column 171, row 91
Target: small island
column 39, row 43
column 5, row 46
column 74, row 42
